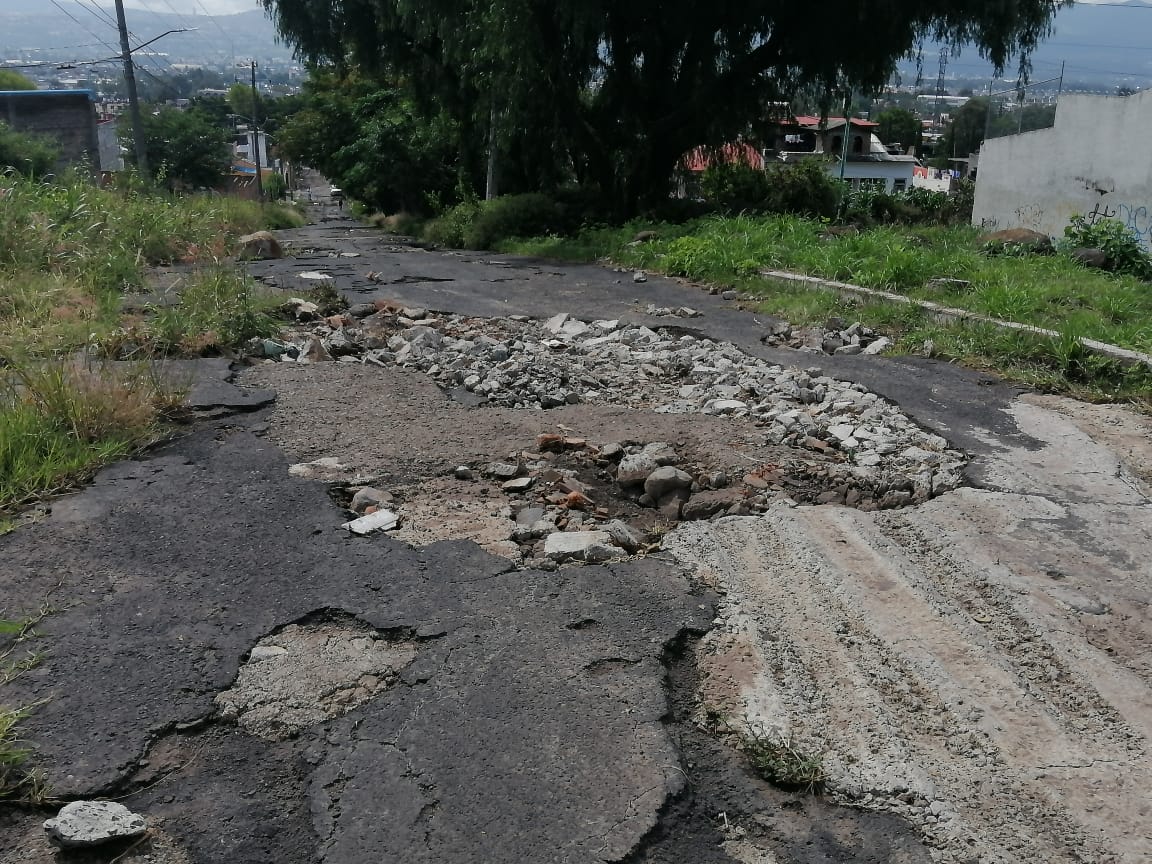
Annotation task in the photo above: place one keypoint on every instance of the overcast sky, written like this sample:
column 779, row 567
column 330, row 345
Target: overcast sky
column 194, row 7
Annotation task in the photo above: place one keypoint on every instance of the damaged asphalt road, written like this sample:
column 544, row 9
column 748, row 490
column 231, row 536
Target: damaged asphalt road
column 531, row 723
column 451, row 707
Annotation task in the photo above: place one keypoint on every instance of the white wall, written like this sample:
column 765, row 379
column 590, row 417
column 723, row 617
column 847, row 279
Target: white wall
column 1095, row 161
column 887, row 172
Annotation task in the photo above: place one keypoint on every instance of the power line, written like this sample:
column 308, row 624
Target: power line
column 83, row 26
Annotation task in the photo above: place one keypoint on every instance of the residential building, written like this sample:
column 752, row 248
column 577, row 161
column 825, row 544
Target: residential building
column 868, row 164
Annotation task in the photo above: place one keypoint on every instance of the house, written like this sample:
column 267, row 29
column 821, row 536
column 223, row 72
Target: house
column 868, row 164
column 1090, row 163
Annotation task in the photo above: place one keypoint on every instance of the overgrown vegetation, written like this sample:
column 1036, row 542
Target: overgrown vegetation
column 69, row 253
column 1123, row 252
column 611, row 96
column 30, row 155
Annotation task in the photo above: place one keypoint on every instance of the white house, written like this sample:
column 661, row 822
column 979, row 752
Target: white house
column 1093, row 162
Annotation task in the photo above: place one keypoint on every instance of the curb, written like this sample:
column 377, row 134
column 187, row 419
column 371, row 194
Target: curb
column 1113, row 352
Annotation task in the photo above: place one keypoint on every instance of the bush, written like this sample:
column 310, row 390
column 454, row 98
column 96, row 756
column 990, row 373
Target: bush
column 449, row 229
column 735, row 187
column 511, row 216
column 803, row 189
column 1114, row 239
column 483, row 225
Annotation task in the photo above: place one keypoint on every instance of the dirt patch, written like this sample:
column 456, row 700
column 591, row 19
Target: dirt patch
column 307, row 673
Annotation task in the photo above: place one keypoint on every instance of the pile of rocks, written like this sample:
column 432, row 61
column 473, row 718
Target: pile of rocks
column 882, row 458
column 835, row 337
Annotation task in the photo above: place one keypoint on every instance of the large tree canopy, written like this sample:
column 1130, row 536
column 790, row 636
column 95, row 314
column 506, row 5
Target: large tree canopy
column 615, row 92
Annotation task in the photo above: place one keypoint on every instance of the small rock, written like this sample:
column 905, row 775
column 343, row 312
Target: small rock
column 502, row 470
column 381, row 520
column 612, row 451
column 1097, row 258
column 639, row 276
column 529, row 515
column 367, row 497
column 879, row 346
column 848, row 349
column 624, row 536
column 415, row 314
column 518, row 484
column 663, row 481
column 90, row 823
column 705, row 505
column 315, row 276
column 463, row 472
column 361, row 310
column 635, row 468
column 314, row 352
column 587, row 546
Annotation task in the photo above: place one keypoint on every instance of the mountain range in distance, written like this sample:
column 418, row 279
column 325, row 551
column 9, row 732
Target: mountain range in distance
column 38, row 30
column 1103, row 45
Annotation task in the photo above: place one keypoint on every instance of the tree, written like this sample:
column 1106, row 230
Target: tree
column 372, row 142
column 185, row 148
column 13, row 80
column 965, row 133
column 614, row 93
column 899, row 126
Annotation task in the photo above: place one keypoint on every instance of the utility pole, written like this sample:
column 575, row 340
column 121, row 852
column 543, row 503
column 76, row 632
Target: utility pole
column 256, row 138
column 133, row 99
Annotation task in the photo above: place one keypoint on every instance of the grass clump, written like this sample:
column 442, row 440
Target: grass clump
column 782, row 763
column 219, row 307
column 60, row 421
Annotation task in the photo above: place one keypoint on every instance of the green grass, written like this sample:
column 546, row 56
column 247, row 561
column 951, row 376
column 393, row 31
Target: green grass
column 1052, row 292
column 782, row 763
column 60, row 421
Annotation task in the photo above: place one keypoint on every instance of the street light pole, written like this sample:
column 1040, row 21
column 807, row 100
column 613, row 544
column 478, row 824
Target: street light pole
column 256, row 139
column 133, row 99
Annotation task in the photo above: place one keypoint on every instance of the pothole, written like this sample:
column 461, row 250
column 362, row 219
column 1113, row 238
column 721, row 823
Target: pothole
column 310, row 672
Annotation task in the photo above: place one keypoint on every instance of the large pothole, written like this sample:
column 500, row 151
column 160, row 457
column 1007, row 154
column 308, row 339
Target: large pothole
column 310, row 672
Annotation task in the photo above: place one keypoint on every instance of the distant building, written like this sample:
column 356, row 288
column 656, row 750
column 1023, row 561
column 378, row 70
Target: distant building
column 868, row 161
column 1087, row 164
column 65, row 116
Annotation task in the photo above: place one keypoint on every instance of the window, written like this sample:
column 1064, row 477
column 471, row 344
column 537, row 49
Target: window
column 899, row 185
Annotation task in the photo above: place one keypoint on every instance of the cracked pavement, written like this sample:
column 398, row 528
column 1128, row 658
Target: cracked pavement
column 972, row 705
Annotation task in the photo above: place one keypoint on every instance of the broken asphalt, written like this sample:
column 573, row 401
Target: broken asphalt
column 545, row 715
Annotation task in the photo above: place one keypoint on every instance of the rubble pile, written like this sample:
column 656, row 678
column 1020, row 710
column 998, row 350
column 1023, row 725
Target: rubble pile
column 835, row 337
column 852, row 447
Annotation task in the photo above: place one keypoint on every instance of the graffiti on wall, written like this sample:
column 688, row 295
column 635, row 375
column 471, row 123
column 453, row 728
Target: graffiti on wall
column 1136, row 218
column 1029, row 215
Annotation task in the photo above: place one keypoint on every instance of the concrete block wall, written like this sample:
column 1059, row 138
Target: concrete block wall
column 66, row 116
column 1096, row 161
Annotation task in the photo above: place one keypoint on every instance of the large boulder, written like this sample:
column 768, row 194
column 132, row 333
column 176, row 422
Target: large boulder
column 1018, row 240
column 259, row 246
